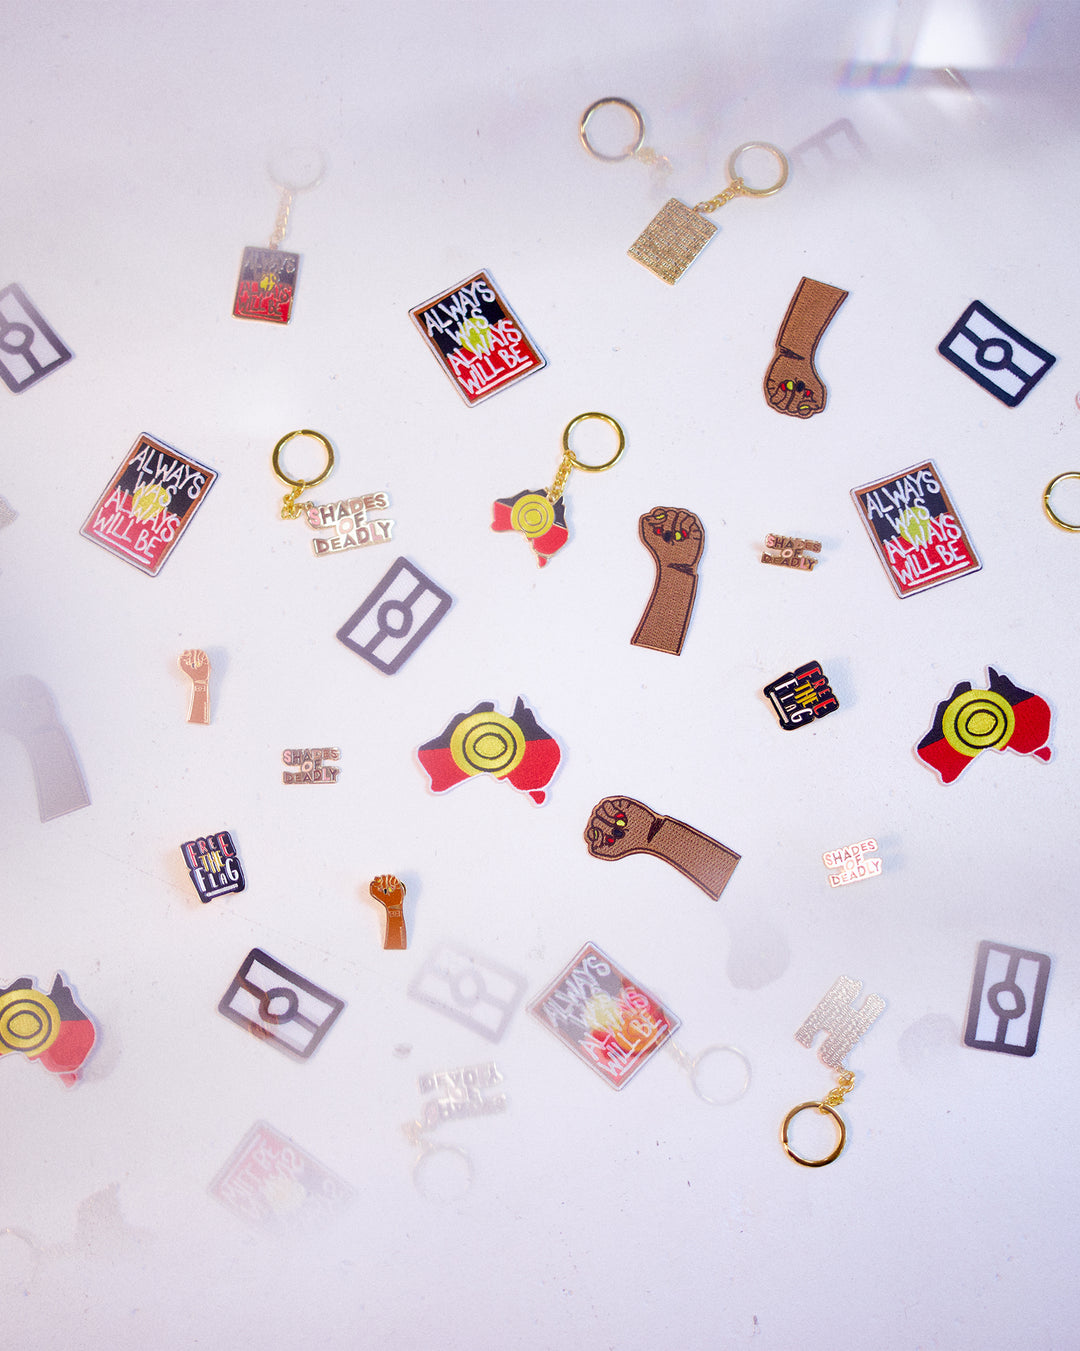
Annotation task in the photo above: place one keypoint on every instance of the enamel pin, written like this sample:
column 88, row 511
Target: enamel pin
column 915, row 529
column 149, row 502
column 477, row 338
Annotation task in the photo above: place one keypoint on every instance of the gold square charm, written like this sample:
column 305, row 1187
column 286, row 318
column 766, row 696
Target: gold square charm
column 672, row 240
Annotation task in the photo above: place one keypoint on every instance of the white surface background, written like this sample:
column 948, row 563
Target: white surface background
column 136, row 139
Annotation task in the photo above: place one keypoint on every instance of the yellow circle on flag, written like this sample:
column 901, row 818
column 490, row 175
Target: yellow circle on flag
column 977, row 721
column 487, row 743
column 532, row 514
column 29, row 1022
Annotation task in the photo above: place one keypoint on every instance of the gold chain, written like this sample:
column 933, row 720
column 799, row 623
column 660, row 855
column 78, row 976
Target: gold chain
column 653, row 158
column 281, row 225
column 561, row 475
column 845, row 1082
column 290, row 506
column 733, row 189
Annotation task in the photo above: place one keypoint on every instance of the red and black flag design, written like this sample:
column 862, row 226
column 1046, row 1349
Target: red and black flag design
column 1003, row 717
column 533, row 515
column 49, row 1028
column 516, row 749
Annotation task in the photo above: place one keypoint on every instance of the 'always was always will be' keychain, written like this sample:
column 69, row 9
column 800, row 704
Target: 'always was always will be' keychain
column 540, row 514
column 266, row 286
column 348, row 519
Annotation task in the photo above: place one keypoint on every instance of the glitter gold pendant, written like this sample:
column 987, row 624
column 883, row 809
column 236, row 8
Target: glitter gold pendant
column 843, row 1027
column 677, row 233
column 672, row 240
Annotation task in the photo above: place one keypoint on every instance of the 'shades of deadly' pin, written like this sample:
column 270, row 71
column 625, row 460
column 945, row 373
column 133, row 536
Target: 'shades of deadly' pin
column 800, row 696
column 852, row 862
column 458, row 1093
column 149, row 502
column 49, row 1028
column 311, row 765
column 516, row 749
column 390, row 893
column 477, row 338
column 395, row 618
column 608, row 1019
column 791, row 552
column 29, row 349
column 916, row 531
column 1007, row 995
column 620, row 826
column 995, row 355
column 276, row 1004
column 273, row 1183
column 214, row 866
column 675, row 539
column 1001, row 717
column 348, row 524
column 28, row 712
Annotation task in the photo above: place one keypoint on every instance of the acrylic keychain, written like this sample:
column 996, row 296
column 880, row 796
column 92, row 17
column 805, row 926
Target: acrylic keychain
column 348, row 519
column 844, row 1026
column 613, row 1024
column 635, row 149
column 266, row 287
column 540, row 515
column 677, row 233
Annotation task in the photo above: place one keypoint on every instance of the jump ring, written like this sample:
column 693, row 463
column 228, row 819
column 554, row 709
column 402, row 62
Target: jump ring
column 829, row 1111
column 639, row 128
column 696, row 1062
column 302, row 483
column 593, row 468
column 1062, row 525
column 733, row 173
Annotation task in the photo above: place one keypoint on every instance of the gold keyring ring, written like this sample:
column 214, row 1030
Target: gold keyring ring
column 813, row 1163
column 758, row 145
column 639, row 125
column 593, row 468
column 302, row 483
column 1062, row 525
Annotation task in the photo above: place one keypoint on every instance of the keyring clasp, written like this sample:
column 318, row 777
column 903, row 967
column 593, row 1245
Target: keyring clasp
column 291, row 506
column 639, row 129
column 1051, row 514
column 570, row 461
column 593, row 468
column 825, row 1110
column 733, row 168
column 275, row 459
